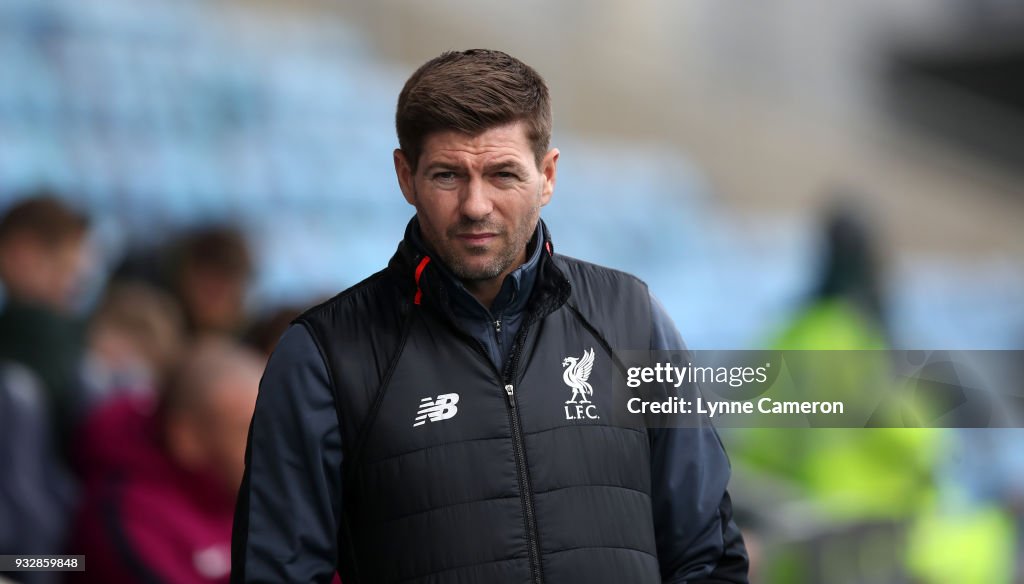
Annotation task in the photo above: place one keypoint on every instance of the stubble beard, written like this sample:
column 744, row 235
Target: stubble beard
column 515, row 243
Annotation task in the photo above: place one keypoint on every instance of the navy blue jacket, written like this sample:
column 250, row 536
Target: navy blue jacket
column 294, row 479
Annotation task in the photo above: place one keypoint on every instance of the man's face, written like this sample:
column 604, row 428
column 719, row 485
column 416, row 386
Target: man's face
column 478, row 198
column 214, row 300
column 44, row 273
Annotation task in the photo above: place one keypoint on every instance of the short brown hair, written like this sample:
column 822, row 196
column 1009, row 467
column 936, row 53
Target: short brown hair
column 45, row 218
column 150, row 317
column 471, row 92
column 220, row 248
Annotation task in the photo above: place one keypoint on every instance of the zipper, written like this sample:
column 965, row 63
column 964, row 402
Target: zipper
column 524, row 485
column 522, row 472
column 526, row 493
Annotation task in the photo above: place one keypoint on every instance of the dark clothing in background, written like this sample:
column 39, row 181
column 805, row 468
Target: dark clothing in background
column 36, row 491
column 287, row 520
column 50, row 345
column 142, row 517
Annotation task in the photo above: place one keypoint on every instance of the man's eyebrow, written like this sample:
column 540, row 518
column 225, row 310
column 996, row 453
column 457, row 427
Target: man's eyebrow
column 506, row 165
column 441, row 165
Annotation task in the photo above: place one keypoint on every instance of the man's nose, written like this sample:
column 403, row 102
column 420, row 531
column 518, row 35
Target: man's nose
column 476, row 203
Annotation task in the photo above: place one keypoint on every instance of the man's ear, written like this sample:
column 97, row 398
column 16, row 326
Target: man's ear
column 405, row 176
column 549, row 169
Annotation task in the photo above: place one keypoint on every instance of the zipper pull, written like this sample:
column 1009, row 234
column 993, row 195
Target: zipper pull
column 511, row 395
column 497, row 326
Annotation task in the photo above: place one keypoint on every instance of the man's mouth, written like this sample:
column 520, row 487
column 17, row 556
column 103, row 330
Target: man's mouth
column 476, row 238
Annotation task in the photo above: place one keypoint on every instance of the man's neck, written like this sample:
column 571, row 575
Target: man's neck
column 485, row 291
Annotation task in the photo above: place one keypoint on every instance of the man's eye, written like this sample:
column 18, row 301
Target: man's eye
column 444, row 176
column 507, row 176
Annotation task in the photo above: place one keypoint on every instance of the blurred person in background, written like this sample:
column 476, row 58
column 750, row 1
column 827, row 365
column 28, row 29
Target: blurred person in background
column 212, row 268
column 873, row 490
column 37, row 493
column 416, row 426
column 207, row 269
column 135, row 336
column 43, row 257
column 846, row 309
column 160, row 476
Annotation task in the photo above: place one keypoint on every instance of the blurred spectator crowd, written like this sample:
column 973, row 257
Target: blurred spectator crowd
column 123, row 432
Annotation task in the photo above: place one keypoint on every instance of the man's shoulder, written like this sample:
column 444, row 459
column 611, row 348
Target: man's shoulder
column 596, row 273
column 615, row 302
column 367, row 316
column 360, row 299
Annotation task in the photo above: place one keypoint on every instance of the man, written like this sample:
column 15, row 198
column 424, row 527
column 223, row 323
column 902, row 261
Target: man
column 43, row 256
column 213, row 267
column 415, row 427
column 160, row 482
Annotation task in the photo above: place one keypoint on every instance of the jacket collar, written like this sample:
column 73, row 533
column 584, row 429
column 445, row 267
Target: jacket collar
column 515, row 289
column 427, row 281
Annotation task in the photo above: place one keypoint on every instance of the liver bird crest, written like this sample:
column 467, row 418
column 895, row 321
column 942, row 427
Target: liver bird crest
column 577, row 371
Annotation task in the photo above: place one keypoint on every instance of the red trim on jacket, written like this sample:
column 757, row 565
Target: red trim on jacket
column 419, row 272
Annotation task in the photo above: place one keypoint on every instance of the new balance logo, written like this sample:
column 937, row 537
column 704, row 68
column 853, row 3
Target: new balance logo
column 435, row 410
